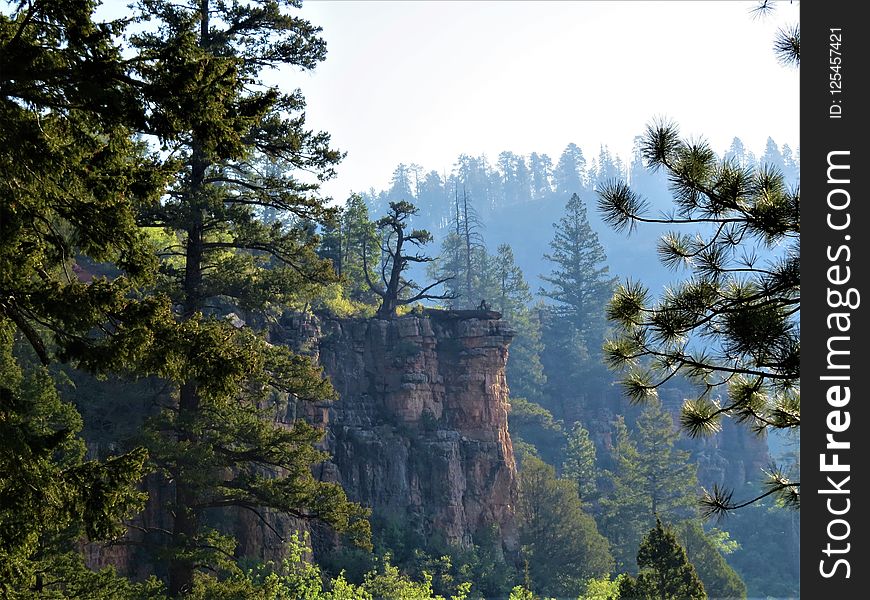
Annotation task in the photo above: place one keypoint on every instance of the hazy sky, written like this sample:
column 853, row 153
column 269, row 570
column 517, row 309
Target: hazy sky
column 415, row 81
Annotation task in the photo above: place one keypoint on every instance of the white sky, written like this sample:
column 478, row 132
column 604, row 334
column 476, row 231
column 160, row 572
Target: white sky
column 417, row 81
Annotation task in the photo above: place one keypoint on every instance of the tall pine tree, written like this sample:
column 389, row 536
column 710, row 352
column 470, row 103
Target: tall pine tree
column 241, row 147
column 574, row 325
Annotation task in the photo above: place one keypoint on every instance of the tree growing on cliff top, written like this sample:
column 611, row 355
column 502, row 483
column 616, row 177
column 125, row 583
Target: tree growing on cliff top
column 732, row 325
column 242, row 149
column 393, row 288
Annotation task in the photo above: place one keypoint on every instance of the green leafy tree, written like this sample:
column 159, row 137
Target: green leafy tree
column 665, row 572
column 241, row 146
column 602, row 589
column 702, row 550
column 560, row 541
column 732, row 325
column 393, row 288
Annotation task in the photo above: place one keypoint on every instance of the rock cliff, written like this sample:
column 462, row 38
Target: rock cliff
column 419, row 432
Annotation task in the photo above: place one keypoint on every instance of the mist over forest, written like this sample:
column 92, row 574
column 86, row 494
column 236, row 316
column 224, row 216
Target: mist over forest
column 527, row 377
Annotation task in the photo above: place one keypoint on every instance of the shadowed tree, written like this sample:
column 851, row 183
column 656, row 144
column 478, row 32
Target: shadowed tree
column 561, row 541
column 579, row 462
column 73, row 180
column 650, row 478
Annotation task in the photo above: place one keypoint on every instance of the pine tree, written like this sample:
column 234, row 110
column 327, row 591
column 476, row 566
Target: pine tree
column 219, row 444
column 569, row 176
column 51, row 498
column 73, row 182
column 670, row 478
column 731, row 326
column 579, row 464
column 665, row 571
column 574, row 326
column 650, row 478
column 625, row 514
column 509, row 294
column 541, row 168
column 343, row 243
column 579, row 282
column 463, row 264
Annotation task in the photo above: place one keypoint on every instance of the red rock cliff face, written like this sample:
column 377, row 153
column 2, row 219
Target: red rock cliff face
column 420, row 430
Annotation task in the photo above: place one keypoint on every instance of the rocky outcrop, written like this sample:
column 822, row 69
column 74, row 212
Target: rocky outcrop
column 419, row 432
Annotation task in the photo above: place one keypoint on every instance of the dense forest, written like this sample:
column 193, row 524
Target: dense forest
column 161, row 229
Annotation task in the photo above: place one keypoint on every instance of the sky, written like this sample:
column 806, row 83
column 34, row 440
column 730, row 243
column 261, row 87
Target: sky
column 421, row 82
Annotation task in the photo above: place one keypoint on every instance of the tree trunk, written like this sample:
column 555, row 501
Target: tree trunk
column 185, row 524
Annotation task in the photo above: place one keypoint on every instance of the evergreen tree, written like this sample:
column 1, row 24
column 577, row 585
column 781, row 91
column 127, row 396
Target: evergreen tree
column 574, row 326
column 579, row 283
column 624, row 512
column 401, row 186
column 360, row 238
column 772, row 157
column 569, row 176
column 665, row 571
column 219, row 444
column 515, row 178
column 73, row 182
column 464, row 264
column 476, row 177
column 579, row 464
column 670, row 478
column 431, row 199
column 511, row 297
column 732, row 325
column 51, row 498
column 650, row 478
column 541, row 173
column 559, row 540
column 735, row 153
column 607, row 168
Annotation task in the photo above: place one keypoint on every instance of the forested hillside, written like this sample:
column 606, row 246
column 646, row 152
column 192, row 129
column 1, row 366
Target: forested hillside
column 217, row 383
